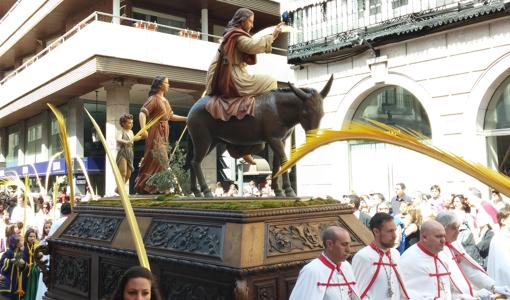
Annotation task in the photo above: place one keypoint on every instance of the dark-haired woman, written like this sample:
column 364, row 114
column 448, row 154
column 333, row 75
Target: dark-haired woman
column 32, row 271
column 137, row 283
column 155, row 156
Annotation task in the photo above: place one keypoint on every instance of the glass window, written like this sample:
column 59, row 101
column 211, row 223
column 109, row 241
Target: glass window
column 34, row 143
column 395, row 106
column 498, row 112
column 12, row 148
column 54, row 132
column 92, row 144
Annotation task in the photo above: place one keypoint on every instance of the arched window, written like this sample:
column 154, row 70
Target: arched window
column 394, row 106
column 380, row 166
column 497, row 128
column 498, row 112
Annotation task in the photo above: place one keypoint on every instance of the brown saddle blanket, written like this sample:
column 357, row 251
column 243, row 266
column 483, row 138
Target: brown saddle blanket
column 224, row 109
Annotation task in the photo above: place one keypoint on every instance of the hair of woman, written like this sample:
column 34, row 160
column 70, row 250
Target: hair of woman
column 156, row 84
column 136, row 272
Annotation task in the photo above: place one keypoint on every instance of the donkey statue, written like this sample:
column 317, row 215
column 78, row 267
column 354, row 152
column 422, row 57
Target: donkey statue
column 276, row 114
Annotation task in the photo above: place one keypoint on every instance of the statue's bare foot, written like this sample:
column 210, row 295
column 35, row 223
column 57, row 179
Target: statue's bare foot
column 249, row 159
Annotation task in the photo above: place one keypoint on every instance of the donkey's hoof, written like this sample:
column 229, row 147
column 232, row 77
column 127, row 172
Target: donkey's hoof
column 279, row 193
column 197, row 194
column 289, row 192
column 208, row 194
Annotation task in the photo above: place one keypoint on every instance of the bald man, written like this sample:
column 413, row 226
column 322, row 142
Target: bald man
column 424, row 265
column 329, row 276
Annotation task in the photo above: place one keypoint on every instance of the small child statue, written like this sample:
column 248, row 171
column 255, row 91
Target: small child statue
column 125, row 154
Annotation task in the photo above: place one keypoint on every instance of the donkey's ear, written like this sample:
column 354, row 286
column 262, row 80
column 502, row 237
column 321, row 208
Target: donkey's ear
column 325, row 90
column 302, row 95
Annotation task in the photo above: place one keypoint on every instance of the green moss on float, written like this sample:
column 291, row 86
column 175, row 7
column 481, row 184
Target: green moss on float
column 223, row 204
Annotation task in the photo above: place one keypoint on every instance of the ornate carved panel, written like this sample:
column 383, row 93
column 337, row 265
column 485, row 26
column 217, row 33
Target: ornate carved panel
column 266, row 290
column 109, row 275
column 72, row 273
column 182, row 237
column 92, row 227
column 297, row 237
column 177, row 287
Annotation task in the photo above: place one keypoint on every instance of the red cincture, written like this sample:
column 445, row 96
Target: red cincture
column 381, row 263
column 457, row 257
column 333, row 267
column 437, row 274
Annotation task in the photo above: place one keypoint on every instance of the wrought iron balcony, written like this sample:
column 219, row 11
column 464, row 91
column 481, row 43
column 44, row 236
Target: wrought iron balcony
column 325, row 27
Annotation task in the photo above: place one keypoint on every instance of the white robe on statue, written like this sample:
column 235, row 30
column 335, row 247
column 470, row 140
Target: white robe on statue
column 372, row 267
column 498, row 262
column 320, row 279
column 426, row 275
column 467, row 275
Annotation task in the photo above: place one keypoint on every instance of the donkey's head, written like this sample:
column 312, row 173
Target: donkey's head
column 312, row 111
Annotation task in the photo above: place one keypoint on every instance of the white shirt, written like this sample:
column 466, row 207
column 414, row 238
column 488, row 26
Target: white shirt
column 320, row 279
column 426, row 275
column 467, row 275
column 374, row 272
column 498, row 261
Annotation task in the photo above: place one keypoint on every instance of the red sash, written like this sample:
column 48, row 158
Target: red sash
column 333, row 267
column 457, row 256
column 437, row 274
column 381, row 263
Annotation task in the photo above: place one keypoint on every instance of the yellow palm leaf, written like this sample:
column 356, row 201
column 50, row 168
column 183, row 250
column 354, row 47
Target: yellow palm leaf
column 65, row 147
column 147, row 126
column 124, row 197
column 380, row 132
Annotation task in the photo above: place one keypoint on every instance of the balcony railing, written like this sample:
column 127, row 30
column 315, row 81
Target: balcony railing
column 10, row 11
column 104, row 17
column 333, row 17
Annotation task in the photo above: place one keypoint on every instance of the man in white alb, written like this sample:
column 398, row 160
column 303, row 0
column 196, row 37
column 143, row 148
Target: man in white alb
column 424, row 265
column 498, row 261
column 376, row 267
column 328, row 277
column 469, row 279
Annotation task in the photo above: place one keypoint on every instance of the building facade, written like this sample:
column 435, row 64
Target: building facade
column 102, row 55
column 438, row 67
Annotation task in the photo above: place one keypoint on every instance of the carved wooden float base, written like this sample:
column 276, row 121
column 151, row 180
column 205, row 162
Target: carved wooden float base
column 196, row 253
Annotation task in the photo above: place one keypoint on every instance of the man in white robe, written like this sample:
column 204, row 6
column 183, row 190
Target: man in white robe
column 469, row 279
column 328, row 277
column 424, row 266
column 376, row 267
column 498, row 261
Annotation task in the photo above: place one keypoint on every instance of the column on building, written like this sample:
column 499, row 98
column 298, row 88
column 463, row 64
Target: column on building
column 116, row 11
column 205, row 23
column 117, row 104
column 22, row 138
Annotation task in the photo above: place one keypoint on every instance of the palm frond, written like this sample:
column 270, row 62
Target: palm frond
column 124, row 197
column 65, row 147
column 380, row 132
column 147, row 126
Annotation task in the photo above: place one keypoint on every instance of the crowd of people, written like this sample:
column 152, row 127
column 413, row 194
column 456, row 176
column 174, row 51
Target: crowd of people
column 426, row 246
column 21, row 232
column 251, row 189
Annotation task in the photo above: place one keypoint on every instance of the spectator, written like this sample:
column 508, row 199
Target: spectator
column 137, row 283
column 267, row 191
column 232, row 190
column 436, row 201
column 412, row 219
column 399, row 198
column 218, row 191
column 251, row 190
column 498, row 262
column 363, row 217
